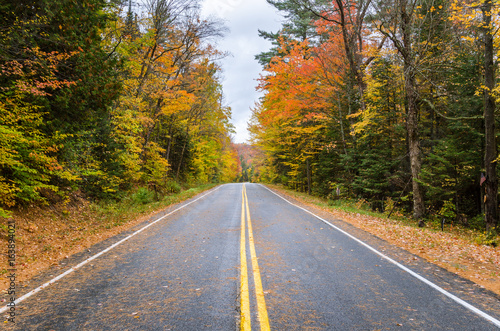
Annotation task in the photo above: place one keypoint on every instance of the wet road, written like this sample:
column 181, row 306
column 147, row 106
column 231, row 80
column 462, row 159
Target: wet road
column 242, row 257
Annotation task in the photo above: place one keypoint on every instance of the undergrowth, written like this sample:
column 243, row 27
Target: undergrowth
column 143, row 200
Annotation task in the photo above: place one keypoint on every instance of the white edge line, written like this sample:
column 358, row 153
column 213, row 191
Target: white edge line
column 81, row 264
column 414, row 274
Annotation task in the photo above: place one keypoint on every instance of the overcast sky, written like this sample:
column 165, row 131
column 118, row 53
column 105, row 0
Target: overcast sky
column 243, row 18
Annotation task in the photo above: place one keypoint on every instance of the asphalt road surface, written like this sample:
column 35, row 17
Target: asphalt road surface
column 242, row 257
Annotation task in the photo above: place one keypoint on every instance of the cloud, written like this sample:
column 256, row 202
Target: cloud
column 241, row 70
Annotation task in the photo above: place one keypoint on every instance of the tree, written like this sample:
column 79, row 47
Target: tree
column 380, row 130
column 50, row 63
column 397, row 20
column 298, row 26
column 293, row 112
column 171, row 88
column 491, row 152
column 466, row 13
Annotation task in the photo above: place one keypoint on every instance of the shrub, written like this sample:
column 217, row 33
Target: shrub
column 142, row 196
column 489, row 238
column 172, row 187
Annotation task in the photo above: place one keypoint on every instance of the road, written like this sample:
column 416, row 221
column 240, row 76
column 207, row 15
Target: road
column 242, row 257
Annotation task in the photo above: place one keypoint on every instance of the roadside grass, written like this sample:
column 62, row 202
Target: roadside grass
column 140, row 202
column 47, row 235
column 459, row 250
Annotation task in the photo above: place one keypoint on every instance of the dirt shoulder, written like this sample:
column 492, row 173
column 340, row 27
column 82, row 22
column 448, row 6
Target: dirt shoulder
column 453, row 250
column 46, row 236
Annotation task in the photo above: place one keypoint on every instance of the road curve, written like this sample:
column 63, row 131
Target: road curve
column 242, row 257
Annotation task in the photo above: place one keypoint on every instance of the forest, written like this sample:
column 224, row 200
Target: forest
column 98, row 98
column 393, row 103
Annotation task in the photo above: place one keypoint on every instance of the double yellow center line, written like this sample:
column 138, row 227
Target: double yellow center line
column 246, row 323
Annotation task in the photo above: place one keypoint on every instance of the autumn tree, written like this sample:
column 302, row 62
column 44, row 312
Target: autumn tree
column 293, row 111
column 52, row 62
column 167, row 68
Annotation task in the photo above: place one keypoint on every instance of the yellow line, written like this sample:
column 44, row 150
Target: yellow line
column 259, row 292
column 245, row 322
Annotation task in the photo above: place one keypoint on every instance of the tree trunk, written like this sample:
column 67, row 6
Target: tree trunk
column 344, row 144
column 308, row 176
column 414, row 147
column 180, row 161
column 412, row 115
column 170, row 139
column 151, row 128
column 352, row 50
column 490, row 150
